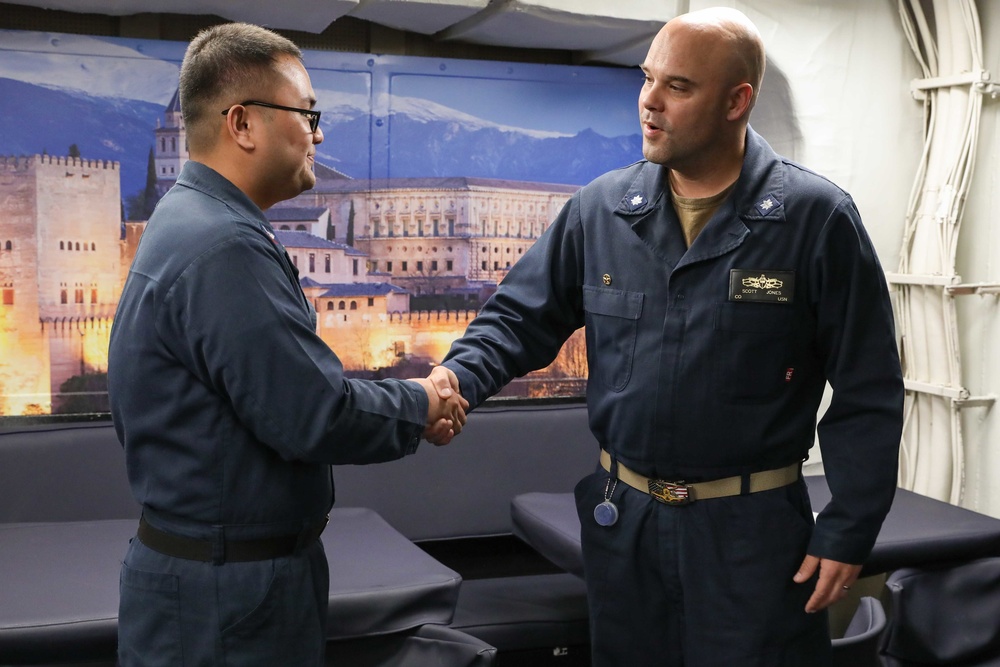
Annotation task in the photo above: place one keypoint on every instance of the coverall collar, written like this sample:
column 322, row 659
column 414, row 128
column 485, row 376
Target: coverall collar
column 206, row 180
column 758, row 196
column 759, row 193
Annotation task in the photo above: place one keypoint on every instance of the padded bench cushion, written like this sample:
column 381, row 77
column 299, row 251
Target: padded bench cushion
column 945, row 615
column 60, row 588
column 524, row 612
column 921, row 531
column 464, row 491
column 63, row 472
column 60, row 584
column 426, row 646
column 381, row 582
column 549, row 523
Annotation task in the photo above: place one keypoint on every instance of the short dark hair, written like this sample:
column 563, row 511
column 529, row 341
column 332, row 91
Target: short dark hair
column 224, row 65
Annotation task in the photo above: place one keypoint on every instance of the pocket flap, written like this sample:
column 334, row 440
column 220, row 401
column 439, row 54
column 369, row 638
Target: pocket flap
column 613, row 302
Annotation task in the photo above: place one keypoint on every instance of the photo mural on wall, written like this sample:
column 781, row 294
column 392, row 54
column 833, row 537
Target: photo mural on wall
column 434, row 177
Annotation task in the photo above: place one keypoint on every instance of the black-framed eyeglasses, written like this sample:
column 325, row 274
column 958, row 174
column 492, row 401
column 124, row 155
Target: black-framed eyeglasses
column 311, row 114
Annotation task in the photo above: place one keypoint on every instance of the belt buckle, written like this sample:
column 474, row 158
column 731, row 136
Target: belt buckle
column 670, row 493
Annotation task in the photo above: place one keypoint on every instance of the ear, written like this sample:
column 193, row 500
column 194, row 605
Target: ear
column 739, row 101
column 239, row 127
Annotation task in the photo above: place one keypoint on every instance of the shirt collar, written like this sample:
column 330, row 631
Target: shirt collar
column 759, row 192
column 203, row 178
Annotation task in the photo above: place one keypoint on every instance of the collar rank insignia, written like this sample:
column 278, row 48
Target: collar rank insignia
column 767, row 204
column 636, row 201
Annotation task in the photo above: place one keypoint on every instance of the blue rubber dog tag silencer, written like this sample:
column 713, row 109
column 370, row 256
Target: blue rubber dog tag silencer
column 606, row 514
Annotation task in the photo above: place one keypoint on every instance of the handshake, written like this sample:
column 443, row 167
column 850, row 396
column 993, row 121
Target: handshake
column 445, row 405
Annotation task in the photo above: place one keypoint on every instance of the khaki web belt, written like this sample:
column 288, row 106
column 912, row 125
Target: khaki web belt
column 679, row 493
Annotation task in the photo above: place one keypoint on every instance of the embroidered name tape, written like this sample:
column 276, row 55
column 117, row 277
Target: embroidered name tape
column 761, row 285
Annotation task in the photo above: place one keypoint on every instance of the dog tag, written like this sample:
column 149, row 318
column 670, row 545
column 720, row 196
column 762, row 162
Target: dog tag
column 606, row 514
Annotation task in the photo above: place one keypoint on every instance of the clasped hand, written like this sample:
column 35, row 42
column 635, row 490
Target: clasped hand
column 445, row 405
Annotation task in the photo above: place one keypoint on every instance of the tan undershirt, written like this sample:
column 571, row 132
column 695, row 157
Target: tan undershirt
column 694, row 213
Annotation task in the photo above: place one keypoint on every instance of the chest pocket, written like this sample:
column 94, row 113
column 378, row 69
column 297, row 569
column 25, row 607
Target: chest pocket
column 612, row 323
column 754, row 351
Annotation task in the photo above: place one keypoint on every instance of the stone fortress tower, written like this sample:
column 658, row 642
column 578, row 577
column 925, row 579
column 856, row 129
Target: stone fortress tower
column 60, row 256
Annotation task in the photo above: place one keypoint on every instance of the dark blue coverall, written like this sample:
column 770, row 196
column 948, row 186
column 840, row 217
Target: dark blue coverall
column 698, row 372
column 230, row 408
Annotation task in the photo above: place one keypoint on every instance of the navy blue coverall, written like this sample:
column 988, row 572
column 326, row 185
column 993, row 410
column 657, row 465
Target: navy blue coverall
column 699, row 371
column 230, row 408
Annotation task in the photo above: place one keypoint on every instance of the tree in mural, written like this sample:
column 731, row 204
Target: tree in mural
column 350, row 225
column 149, row 195
column 83, row 394
column 141, row 204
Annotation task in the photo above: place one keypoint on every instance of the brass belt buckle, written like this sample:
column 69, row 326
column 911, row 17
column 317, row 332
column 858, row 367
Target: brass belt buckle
column 670, row 493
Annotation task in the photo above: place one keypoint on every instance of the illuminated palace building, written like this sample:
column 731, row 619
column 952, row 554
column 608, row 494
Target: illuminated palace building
column 394, row 267
column 439, row 236
column 397, row 267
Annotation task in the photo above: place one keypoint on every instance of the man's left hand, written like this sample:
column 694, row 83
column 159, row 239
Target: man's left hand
column 835, row 579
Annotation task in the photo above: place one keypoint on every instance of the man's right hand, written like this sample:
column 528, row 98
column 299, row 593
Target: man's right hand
column 445, row 406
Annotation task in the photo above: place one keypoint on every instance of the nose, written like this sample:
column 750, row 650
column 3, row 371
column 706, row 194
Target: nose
column 318, row 135
column 650, row 99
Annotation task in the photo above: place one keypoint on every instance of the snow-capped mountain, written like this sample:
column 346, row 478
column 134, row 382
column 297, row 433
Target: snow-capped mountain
column 404, row 137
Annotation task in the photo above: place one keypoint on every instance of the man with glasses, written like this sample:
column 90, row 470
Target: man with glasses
column 229, row 406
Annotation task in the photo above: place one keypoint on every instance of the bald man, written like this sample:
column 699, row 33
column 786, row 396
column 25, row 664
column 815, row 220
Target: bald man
column 721, row 287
